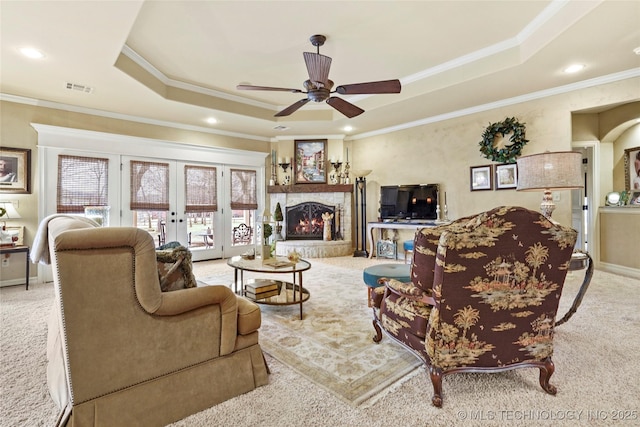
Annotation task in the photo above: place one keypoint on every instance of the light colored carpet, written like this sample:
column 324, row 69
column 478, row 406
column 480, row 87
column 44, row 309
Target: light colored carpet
column 597, row 372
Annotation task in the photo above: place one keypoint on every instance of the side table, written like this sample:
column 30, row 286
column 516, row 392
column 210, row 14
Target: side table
column 15, row 250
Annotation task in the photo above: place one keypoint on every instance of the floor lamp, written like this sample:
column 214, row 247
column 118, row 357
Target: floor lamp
column 361, row 219
column 561, row 170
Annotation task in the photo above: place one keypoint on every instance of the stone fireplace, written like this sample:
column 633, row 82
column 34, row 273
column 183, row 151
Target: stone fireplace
column 304, row 202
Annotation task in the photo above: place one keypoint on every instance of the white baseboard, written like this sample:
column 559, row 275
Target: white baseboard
column 621, row 270
column 16, row 282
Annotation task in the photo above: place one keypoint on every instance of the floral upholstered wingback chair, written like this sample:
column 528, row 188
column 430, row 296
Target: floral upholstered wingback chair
column 483, row 295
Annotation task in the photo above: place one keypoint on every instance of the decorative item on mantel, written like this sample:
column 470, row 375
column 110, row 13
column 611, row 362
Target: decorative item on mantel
column 284, row 164
column 345, row 176
column 274, row 169
column 361, row 220
column 335, row 176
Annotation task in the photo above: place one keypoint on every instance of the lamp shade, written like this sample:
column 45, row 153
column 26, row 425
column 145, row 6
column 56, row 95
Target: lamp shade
column 561, row 170
column 11, row 212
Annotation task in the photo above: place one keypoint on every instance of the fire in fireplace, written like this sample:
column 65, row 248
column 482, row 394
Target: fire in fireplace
column 304, row 221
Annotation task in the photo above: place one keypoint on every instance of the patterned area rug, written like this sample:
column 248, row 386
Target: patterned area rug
column 332, row 345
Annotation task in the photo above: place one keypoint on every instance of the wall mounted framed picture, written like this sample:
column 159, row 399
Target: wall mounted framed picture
column 632, row 169
column 506, row 176
column 310, row 161
column 15, row 170
column 481, row 178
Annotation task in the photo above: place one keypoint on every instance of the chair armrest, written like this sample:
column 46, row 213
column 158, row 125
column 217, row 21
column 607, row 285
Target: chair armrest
column 409, row 290
column 183, row 300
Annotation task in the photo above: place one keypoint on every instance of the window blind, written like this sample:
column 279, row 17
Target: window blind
column 243, row 189
column 82, row 181
column 149, row 186
column 201, row 189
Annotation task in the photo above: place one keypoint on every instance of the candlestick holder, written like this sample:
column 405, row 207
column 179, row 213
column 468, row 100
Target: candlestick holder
column 346, row 180
column 335, row 177
column 285, row 168
column 274, row 174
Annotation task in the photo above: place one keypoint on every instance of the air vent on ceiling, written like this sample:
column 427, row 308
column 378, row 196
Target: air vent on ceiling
column 79, row 88
column 280, row 127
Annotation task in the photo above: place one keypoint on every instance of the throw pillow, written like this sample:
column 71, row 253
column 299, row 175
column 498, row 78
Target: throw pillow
column 175, row 269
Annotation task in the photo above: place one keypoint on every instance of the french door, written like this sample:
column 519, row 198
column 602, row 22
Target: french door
column 164, row 197
column 154, row 198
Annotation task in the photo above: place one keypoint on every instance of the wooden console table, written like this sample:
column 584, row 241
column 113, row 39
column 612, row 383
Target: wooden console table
column 15, row 250
column 400, row 225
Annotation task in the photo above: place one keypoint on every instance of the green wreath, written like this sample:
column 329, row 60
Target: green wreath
column 508, row 153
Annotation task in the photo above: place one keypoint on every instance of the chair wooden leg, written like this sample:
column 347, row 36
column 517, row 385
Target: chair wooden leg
column 436, row 380
column 545, row 375
column 378, row 336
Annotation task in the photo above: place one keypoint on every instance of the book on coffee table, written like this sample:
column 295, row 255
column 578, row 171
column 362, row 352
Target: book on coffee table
column 262, row 295
column 277, row 263
column 260, row 285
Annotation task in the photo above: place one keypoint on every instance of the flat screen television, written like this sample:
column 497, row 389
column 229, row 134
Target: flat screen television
column 408, row 202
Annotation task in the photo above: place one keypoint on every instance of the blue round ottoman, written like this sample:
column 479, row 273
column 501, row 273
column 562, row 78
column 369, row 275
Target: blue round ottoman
column 370, row 275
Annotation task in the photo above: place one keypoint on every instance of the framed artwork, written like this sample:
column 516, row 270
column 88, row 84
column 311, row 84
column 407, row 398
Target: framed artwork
column 309, row 166
column 634, row 199
column 506, row 176
column 481, row 178
column 15, row 170
column 632, row 169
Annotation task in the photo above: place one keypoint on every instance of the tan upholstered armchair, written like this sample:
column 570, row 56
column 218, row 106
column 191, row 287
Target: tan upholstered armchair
column 483, row 295
column 121, row 352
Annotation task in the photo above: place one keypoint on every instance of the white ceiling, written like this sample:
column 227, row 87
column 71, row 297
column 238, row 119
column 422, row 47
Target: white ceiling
column 178, row 62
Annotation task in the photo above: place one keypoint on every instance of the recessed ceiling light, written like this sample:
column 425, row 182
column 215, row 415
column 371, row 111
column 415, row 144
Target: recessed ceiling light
column 347, row 128
column 212, row 121
column 32, row 53
column 574, row 68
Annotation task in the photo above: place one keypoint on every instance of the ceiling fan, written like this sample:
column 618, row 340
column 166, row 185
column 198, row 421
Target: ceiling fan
column 318, row 87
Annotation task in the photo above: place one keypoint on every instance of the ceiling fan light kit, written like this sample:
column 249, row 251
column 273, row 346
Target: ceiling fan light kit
column 318, row 86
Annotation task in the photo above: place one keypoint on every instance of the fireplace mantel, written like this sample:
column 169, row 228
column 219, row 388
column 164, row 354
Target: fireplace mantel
column 311, row 188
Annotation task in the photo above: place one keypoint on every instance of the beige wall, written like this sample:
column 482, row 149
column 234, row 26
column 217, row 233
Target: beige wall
column 441, row 152
column 16, row 131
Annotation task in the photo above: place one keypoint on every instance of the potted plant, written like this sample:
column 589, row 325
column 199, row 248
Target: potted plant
column 267, row 231
column 277, row 216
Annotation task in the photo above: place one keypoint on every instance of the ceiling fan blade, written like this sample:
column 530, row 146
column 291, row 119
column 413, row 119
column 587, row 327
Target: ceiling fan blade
column 291, row 108
column 318, row 67
column 346, row 108
column 385, row 86
column 275, row 89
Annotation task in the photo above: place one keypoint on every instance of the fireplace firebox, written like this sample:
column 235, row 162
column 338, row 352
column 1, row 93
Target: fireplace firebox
column 304, row 221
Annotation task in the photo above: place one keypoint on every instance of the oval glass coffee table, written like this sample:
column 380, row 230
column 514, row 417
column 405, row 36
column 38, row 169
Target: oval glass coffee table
column 270, row 291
